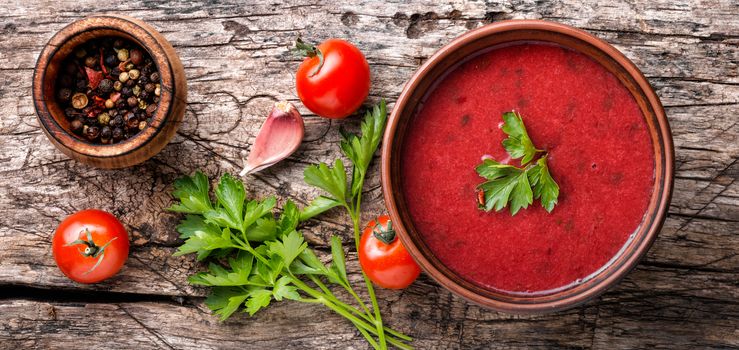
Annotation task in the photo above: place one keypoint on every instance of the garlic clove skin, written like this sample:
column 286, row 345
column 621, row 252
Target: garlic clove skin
column 279, row 137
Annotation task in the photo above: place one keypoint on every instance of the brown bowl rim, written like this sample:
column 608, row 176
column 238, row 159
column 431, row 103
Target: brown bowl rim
column 627, row 259
column 75, row 144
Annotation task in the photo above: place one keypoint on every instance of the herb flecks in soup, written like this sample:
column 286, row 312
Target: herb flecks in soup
column 599, row 152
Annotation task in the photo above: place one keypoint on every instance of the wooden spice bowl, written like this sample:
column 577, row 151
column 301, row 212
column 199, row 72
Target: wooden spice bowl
column 164, row 122
column 501, row 34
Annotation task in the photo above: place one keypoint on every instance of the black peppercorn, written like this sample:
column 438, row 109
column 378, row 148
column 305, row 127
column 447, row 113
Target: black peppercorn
column 106, row 132
column 130, row 83
column 132, row 101
column 117, row 121
column 66, row 81
column 144, row 79
column 64, row 95
column 118, row 43
column 111, row 60
column 117, row 134
column 149, row 88
column 126, row 91
column 131, row 120
column 71, row 69
column 115, row 72
column 92, row 132
column 81, row 84
column 143, row 95
column 76, row 125
column 106, row 85
column 154, row 77
column 151, row 109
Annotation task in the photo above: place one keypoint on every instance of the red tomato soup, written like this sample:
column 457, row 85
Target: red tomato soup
column 600, row 154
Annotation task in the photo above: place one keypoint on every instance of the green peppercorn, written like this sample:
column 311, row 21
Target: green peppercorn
column 129, row 66
column 143, row 104
column 122, row 55
column 142, row 124
column 158, row 90
column 123, row 77
column 136, row 90
column 79, row 100
column 117, row 86
column 104, row 118
column 134, row 74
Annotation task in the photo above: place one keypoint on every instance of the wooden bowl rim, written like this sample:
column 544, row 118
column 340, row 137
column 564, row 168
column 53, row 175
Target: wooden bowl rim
column 139, row 31
column 632, row 251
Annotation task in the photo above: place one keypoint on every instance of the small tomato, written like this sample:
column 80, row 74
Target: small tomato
column 384, row 258
column 90, row 246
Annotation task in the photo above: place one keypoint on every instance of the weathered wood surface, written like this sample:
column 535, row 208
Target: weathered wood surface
column 684, row 295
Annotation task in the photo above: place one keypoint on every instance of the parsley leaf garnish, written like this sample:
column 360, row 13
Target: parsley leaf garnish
column 516, row 186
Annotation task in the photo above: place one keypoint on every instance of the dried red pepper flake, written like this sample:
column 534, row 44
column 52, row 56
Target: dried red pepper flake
column 93, row 77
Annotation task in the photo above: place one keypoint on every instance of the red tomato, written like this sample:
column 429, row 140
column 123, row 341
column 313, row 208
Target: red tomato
column 90, row 246
column 384, row 258
column 338, row 87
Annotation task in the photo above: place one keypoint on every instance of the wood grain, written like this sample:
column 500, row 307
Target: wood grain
column 236, row 59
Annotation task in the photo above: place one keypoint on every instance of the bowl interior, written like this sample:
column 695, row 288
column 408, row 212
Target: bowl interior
column 52, row 115
column 509, row 33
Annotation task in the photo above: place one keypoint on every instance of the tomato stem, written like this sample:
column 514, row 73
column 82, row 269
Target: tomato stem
column 386, row 234
column 310, row 51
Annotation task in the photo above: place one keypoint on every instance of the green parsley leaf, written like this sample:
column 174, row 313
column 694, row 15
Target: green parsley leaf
column 291, row 246
column 224, row 301
column 231, row 195
column 258, row 209
column 360, row 150
column 205, row 241
column 283, row 289
column 265, row 229
column 506, row 184
column 338, row 265
column 289, row 218
column 518, row 144
column 331, row 180
column 258, row 299
column 192, row 191
column 545, row 188
column 318, row 206
column 238, row 276
column 308, row 264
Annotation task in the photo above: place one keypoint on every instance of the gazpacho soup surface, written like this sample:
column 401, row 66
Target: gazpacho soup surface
column 600, row 154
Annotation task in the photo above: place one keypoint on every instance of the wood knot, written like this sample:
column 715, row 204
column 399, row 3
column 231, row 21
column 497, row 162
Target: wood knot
column 349, row 18
column 420, row 24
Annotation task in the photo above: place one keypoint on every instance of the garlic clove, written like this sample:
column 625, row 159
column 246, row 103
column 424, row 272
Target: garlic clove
column 279, row 137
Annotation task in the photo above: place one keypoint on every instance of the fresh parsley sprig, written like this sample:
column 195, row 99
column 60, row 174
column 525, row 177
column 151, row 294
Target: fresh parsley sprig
column 256, row 256
column 517, row 187
column 359, row 150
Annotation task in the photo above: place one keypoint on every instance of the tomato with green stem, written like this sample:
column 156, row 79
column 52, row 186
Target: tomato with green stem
column 90, row 246
column 384, row 258
column 334, row 79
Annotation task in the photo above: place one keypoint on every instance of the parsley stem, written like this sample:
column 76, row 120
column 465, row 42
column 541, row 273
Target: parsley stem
column 359, row 323
column 356, row 217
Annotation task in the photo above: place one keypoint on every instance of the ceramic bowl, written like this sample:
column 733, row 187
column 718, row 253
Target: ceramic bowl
column 502, row 33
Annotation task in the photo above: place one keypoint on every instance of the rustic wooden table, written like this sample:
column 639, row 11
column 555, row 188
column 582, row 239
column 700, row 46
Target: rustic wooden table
column 685, row 294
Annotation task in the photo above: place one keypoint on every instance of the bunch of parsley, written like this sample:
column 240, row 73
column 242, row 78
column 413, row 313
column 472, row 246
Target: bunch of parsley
column 518, row 186
column 256, row 255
